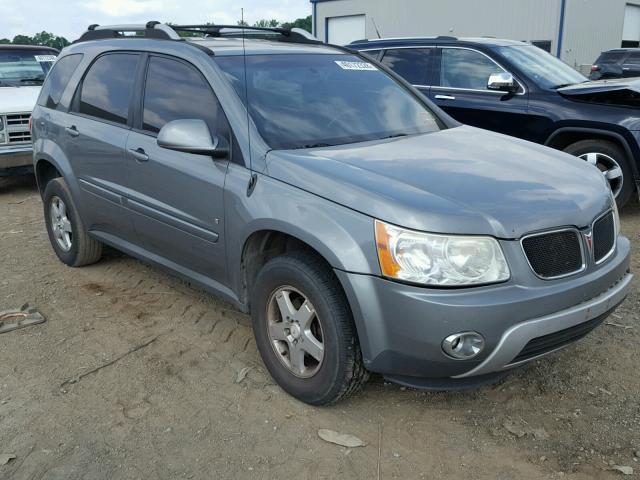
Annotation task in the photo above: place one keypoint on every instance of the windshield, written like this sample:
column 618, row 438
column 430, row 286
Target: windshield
column 545, row 69
column 305, row 101
column 25, row 67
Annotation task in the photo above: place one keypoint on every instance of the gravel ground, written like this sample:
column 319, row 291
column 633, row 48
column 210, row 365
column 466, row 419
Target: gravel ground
column 134, row 375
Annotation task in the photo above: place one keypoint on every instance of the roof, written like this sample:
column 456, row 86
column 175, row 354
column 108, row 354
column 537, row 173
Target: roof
column 235, row 46
column 442, row 40
column 25, row 47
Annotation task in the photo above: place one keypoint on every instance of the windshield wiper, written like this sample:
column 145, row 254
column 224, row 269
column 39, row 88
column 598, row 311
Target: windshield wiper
column 396, row 135
column 314, row 145
column 562, row 85
column 34, row 79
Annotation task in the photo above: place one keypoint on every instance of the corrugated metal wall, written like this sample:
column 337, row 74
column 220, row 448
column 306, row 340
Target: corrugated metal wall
column 590, row 25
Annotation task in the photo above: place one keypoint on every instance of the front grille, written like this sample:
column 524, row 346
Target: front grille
column 553, row 341
column 604, row 237
column 18, row 137
column 554, row 254
column 18, row 119
column 17, row 126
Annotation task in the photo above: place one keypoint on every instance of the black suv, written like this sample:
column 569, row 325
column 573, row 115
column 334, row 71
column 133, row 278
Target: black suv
column 518, row 89
column 618, row 63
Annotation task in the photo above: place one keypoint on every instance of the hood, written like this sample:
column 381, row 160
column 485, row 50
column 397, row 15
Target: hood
column 461, row 180
column 18, row 99
column 623, row 92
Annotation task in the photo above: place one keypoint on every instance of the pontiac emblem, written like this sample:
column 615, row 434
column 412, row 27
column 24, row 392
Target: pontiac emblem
column 588, row 238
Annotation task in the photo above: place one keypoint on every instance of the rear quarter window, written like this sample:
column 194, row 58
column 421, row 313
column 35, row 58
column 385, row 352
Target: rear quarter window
column 608, row 58
column 57, row 80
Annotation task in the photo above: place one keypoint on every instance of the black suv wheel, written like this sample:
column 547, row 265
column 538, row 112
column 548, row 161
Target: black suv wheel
column 612, row 161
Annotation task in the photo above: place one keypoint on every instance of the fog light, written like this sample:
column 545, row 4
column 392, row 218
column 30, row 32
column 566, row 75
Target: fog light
column 463, row 346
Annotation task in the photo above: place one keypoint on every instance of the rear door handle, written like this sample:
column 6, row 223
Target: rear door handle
column 139, row 154
column 445, row 97
column 72, row 131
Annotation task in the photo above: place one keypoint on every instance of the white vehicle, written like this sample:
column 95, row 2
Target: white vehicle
column 22, row 72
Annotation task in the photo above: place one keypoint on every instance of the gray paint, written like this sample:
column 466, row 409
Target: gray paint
column 590, row 26
column 460, row 180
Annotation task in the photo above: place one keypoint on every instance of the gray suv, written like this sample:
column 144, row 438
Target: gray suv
column 362, row 228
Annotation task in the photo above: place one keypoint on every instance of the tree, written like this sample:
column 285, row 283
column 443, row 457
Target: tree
column 45, row 39
column 267, row 23
column 303, row 23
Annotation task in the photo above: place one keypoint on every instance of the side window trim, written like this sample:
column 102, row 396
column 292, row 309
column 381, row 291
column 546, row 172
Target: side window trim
column 74, row 106
column 439, row 87
column 430, row 78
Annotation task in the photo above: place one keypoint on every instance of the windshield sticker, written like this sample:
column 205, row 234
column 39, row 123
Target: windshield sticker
column 45, row 58
column 361, row 66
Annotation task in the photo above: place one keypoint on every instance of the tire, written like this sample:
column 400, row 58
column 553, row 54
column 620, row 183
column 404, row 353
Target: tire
column 305, row 276
column 602, row 152
column 77, row 249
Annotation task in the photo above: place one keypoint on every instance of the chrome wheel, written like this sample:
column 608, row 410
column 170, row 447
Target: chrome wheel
column 609, row 168
column 60, row 224
column 295, row 332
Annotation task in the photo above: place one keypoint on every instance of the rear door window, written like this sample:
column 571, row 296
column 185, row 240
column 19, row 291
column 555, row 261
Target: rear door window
column 107, row 87
column 58, row 79
column 412, row 64
column 177, row 91
column 633, row 60
column 466, row 69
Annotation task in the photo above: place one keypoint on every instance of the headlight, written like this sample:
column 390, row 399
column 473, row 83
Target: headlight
column 616, row 215
column 3, row 136
column 1, row 124
column 439, row 260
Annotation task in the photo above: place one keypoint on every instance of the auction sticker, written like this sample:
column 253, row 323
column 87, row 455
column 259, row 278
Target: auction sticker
column 45, row 58
column 361, row 66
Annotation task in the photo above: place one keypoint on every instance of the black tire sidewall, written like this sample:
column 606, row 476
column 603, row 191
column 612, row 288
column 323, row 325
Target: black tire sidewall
column 56, row 188
column 615, row 152
column 325, row 384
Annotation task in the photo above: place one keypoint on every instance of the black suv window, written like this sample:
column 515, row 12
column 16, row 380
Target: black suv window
column 57, row 80
column 462, row 68
column 611, row 57
column 633, row 60
column 412, row 64
column 107, row 87
column 176, row 91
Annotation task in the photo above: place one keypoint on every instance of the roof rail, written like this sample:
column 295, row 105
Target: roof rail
column 148, row 30
column 296, row 35
column 165, row 31
column 446, row 37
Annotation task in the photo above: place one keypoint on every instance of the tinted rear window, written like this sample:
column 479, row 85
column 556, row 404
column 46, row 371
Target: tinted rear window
column 57, row 80
column 611, row 57
column 412, row 64
column 107, row 87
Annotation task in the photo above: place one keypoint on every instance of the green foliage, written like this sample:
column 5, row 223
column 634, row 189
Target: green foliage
column 43, row 38
column 303, row 23
column 267, row 23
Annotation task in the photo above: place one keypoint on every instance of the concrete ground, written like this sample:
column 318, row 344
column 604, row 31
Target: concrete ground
column 135, row 375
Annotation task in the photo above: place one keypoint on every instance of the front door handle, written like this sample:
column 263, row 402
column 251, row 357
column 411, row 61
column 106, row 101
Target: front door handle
column 72, row 131
column 139, row 154
column 445, row 97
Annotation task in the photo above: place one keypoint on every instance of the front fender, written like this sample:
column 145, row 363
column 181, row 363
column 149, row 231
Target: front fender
column 345, row 238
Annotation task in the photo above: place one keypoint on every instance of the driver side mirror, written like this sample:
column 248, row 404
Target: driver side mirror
column 192, row 136
column 502, row 82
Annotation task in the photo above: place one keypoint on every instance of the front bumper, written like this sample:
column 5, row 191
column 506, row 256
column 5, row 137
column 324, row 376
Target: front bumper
column 16, row 156
column 401, row 327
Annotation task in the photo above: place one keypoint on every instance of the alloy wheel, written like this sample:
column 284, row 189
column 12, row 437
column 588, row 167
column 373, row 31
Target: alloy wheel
column 609, row 168
column 295, row 331
column 60, row 224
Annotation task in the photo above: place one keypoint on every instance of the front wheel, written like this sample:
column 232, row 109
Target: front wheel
column 304, row 329
column 612, row 161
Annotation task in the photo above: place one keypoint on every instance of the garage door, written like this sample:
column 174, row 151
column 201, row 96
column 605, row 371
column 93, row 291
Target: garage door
column 343, row 30
column 631, row 32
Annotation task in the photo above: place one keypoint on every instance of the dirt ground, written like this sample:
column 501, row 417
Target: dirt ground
column 135, row 375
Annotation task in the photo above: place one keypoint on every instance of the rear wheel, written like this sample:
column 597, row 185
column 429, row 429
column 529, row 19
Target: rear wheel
column 69, row 239
column 612, row 161
column 304, row 329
